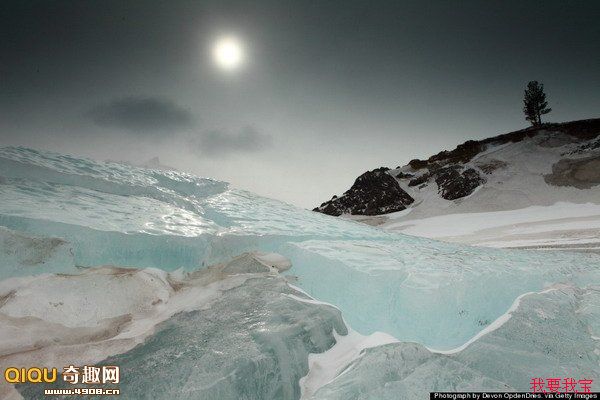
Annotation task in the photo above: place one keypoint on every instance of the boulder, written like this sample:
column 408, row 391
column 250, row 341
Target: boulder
column 374, row 192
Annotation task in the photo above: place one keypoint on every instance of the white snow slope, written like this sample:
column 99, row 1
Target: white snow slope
column 515, row 207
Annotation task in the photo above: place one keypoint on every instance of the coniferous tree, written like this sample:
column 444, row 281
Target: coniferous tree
column 535, row 104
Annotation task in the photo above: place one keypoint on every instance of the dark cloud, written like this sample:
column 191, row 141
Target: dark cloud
column 142, row 115
column 219, row 142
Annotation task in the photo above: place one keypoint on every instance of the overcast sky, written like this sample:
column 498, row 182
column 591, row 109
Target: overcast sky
column 326, row 89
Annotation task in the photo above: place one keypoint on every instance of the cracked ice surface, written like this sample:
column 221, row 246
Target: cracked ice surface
column 59, row 213
column 547, row 334
column 231, row 331
column 415, row 289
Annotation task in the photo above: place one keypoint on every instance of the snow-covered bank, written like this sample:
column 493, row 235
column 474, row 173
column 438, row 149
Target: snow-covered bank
column 561, row 225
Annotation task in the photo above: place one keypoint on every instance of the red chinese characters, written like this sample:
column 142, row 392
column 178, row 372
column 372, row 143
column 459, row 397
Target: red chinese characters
column 560, row 385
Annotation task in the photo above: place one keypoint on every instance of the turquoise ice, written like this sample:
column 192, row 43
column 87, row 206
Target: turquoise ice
column 59, row 213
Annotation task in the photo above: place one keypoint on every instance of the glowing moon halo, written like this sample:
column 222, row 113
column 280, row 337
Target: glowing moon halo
column 228, row 53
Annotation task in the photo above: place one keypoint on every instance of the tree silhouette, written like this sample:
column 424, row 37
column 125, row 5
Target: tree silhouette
column 535, row 104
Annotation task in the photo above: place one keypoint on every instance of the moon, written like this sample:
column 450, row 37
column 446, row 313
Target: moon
column 228, row 53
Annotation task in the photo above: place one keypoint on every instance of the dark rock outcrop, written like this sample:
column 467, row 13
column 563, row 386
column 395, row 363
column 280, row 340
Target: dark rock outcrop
column 404, row 175
column 417, row 164
column 373, row 193
column 419, row 180
column 454, row 183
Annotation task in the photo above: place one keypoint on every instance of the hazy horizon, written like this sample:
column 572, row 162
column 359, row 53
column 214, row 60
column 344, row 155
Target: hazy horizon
column 323, row 92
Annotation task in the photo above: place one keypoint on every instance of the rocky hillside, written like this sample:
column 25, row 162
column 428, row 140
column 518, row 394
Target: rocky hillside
column 537, row 166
